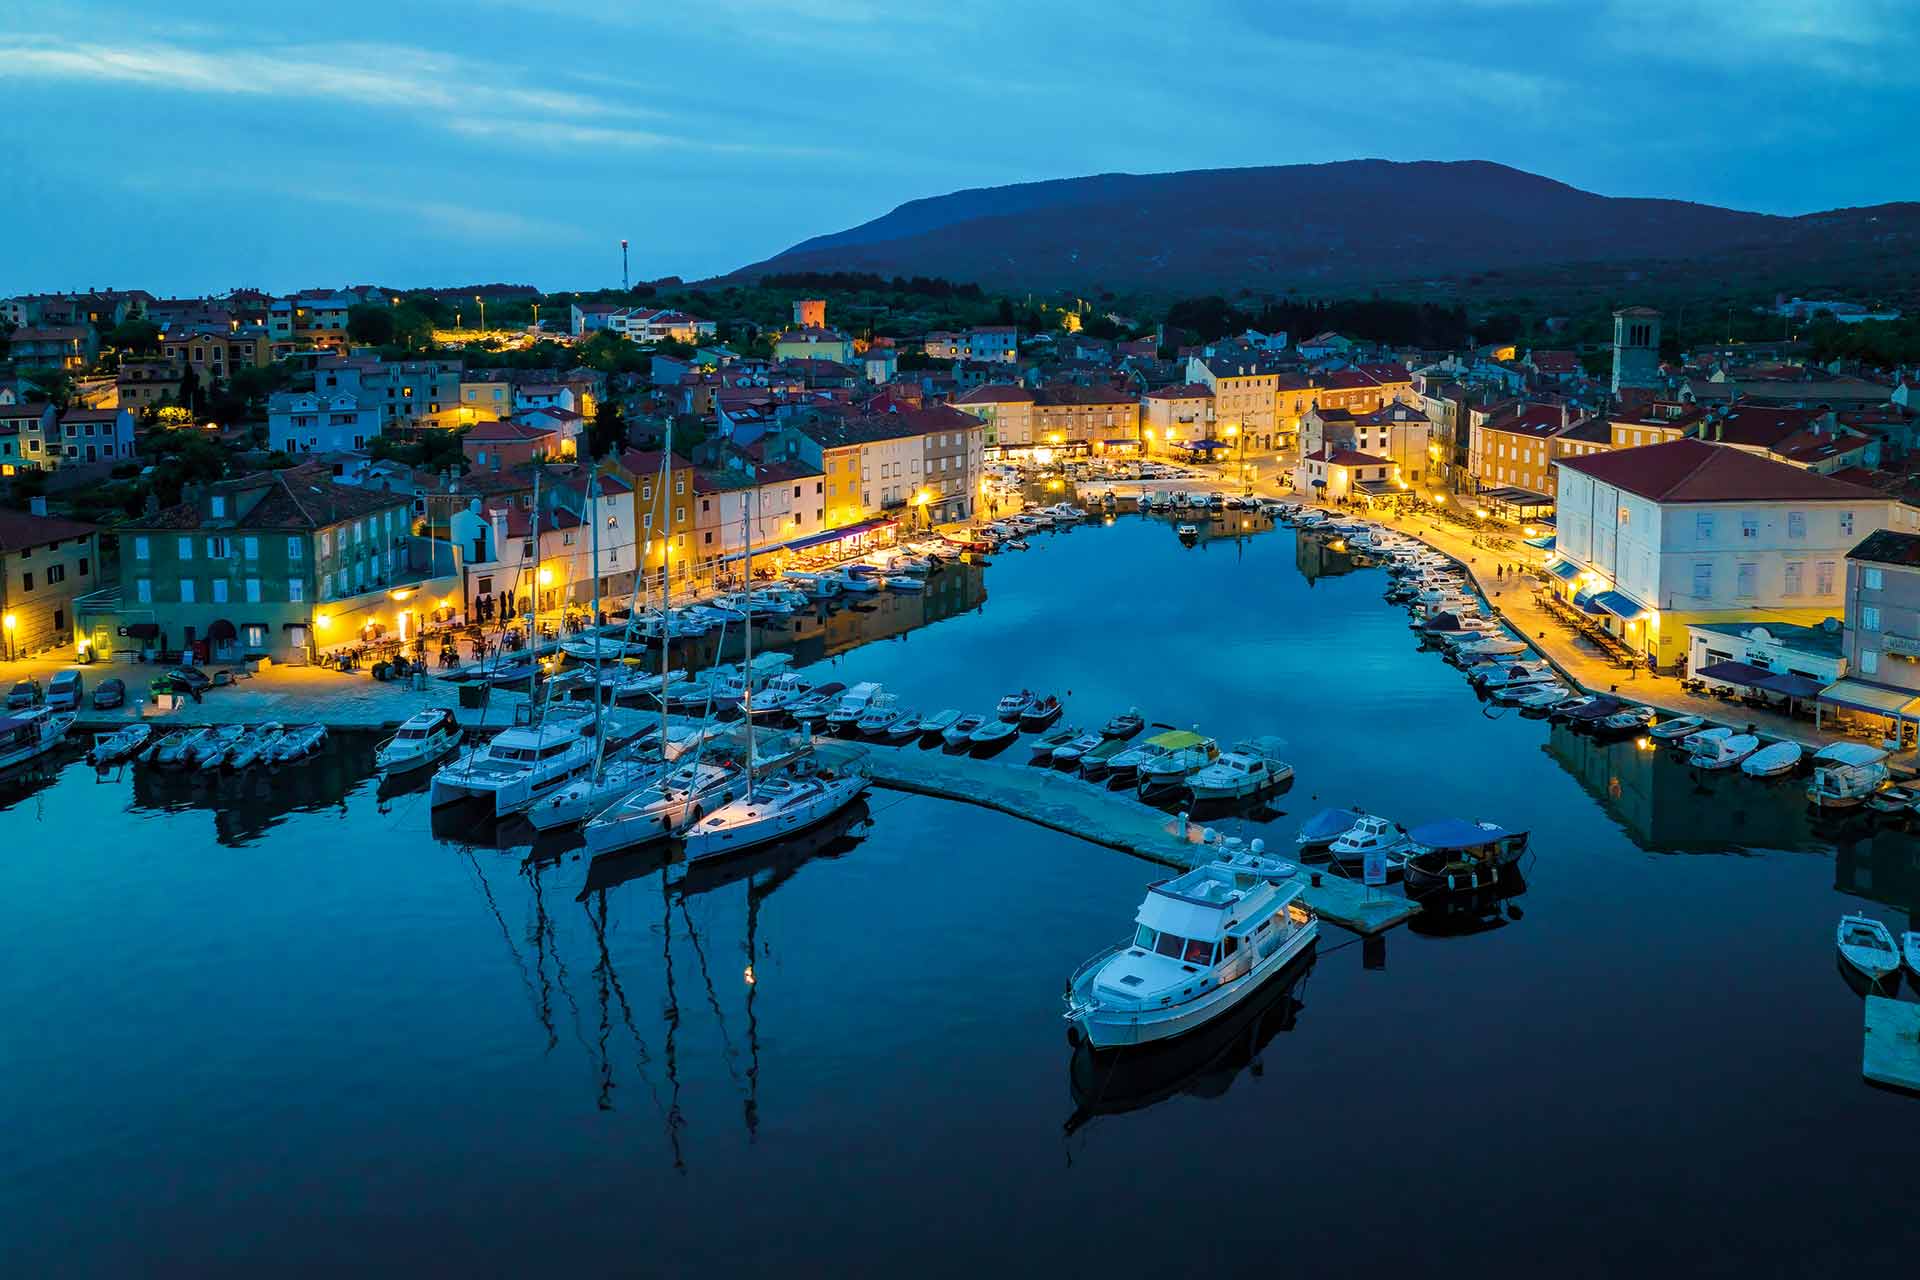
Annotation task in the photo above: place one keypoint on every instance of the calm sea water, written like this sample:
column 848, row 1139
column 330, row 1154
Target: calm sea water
column 274, row 1024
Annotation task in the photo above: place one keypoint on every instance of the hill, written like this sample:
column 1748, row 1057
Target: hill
column 1329, row 227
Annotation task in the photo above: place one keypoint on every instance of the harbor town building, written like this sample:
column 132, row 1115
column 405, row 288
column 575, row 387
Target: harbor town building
column 1651, row 540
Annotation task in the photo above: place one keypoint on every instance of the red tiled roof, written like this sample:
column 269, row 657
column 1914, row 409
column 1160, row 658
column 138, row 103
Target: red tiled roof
column 1695, row 471
column 996, row 393
column 506, row 429
column 1182, row 391
column 19, row 529
column 1346, row 458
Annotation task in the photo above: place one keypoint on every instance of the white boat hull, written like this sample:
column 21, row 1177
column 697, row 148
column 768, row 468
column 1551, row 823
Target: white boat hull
column 1104, row 1027
column 833, row 797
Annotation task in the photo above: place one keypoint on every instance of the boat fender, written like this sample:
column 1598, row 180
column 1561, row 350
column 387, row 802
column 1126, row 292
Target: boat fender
column 1259, row 846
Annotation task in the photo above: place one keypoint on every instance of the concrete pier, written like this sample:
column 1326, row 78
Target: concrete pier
column 1116, row 820
column 1891, row 1055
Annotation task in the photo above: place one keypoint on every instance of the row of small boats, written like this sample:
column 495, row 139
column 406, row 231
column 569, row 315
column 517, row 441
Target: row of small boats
column 230, row 747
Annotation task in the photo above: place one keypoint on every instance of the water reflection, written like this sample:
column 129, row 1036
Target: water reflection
column 246, row 805
column 1201, row 1064
column 1459, row 915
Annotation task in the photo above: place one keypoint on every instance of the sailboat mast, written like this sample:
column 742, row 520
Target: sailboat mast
column 746, row 695
column 593, row 514
column 533, row 619
column 666, row 584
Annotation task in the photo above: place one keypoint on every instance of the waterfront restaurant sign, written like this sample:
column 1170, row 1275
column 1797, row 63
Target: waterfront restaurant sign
column 1900, row 646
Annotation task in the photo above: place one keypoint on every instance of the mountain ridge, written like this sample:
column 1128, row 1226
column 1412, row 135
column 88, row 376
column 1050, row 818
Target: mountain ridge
column 1346, row 223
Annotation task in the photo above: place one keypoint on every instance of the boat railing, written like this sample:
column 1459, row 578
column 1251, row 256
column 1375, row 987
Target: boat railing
column 1085, row 971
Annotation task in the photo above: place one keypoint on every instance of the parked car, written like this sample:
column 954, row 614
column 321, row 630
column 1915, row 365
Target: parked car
column 109, row 693
column 66, row 691
column 23, row 695
column 190, row 679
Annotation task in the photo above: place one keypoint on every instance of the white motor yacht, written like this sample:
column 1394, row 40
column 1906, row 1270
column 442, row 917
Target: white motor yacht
column 1203, row 942
column 1173, row 768
column 516, row 767
column 424, row 737
column 1371, row 835
column 851, row 705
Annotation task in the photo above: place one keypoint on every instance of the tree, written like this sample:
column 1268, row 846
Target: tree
column 189, row 392
column 370, row 324
column 135, row 336
column 608, row 430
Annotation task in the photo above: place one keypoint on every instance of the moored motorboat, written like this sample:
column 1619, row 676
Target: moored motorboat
column 1452, row 855
column 1203, row 942
column 1040, row 713
column 1166, row 770
column 1253, row 767
column 1069, row 754
column 1895, row 802
column 1096, row 763
column 1125, row 725
column 845, row 713
column 1372, row 836
column 119, row 745
column 993, row 733
column 1724, row 753
column 299, row 741
column 1866, row 945
column 1910, row 949
column 1845, row 774
column 1052, row 740
column 1772, row 761
column 960, row 732
column 1319, row 832
column 421, row 739
column 1014, row 705
column 936, row 724
column 881, row 715
column 1676, row 728
column 812, row 710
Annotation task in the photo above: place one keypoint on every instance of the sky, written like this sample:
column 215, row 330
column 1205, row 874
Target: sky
column 190, row 148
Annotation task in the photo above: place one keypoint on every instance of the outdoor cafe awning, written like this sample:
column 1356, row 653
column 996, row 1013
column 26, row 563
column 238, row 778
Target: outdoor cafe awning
column 1514, row 496
column 1620, row 606
column 1545, row 542
column 820, row 539
column 1377, row 488
column 1564, row 570
column 1784, row 683
column 1858, row 695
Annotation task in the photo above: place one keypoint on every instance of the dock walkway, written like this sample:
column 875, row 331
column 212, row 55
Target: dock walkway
column 1891, row 1055
column 1068, row 804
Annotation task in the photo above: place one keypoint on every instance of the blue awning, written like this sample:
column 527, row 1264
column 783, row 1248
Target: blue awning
column 1564, row 570
column 1618, row 605
column 819, row 539
column 1545, row 543
column 1206, row 444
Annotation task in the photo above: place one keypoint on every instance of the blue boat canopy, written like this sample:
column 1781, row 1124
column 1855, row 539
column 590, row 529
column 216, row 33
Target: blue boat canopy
column 1564, row 571
column 1328, row 823
column 1452, row 833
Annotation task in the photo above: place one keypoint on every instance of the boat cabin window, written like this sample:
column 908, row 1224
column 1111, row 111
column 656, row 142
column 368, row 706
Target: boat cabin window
column 1230, row 946
column 1199, row 952
column 1170, row 944
column 1144, row 938
column 557, row 749
column 511, row 753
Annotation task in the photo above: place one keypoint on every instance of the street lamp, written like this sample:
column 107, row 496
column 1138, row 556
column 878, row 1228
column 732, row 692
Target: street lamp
column 9, row 625
column 483, row 311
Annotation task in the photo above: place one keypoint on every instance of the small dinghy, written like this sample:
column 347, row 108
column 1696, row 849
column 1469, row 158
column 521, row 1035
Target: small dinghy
column 1069, row 753
column 1772, row 761
column 956, row 734
column 1124, row 726
column 1045, row 745
column 1674, row 729
column 993, row 733
column 1894, row 802
column 1323, row 828
column 938, row 723
column 120, row 745
column 1724, row 753
column 297, row 742
column 1910, row 947
column 1867, row 946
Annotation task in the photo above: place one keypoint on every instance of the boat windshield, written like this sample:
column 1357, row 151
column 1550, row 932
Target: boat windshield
column 1173, row 946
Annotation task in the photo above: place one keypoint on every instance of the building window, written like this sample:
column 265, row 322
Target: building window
column 253, row 591
column 1823, row 578
column 186, row 591
column 1869, row 618
column 186, row 548
column 1869, row 661
column 1872, row 579
column 56, row 573
column 1796, row 524
column 295, row 549
column 1846, row 522
column 219, row 590
column 1745, row 577
column 1749, row 528
column 296, row 590
column 1703, row 527
column 1794, row 574
column 142, row 550
column 143, row 590
column 26, row 582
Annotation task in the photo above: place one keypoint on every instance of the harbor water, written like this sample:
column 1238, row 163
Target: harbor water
column 273, row 1023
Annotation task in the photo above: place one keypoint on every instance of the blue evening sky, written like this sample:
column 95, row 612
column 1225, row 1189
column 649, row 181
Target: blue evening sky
column 194, row 147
